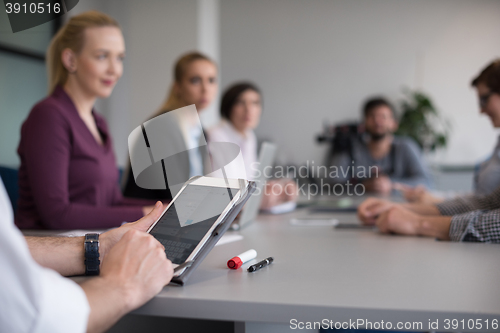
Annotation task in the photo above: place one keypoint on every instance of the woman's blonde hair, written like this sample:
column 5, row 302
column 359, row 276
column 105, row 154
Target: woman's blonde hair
column 172, row 102
column 71, row 36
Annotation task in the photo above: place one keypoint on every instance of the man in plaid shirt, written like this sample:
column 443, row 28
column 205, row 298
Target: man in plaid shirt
column 474, row 218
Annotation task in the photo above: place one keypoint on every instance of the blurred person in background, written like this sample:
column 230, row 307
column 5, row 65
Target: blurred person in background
column 380, row 159
column 240, row 110
column 68, row 177
column 195, row 83
column 472, row 218
column 487, row 175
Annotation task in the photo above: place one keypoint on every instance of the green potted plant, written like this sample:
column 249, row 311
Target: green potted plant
column 421, row 121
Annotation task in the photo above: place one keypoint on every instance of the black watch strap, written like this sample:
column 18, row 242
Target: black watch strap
column 92, row 261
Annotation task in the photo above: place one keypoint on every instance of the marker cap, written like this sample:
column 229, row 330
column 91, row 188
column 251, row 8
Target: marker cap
column 236, row 262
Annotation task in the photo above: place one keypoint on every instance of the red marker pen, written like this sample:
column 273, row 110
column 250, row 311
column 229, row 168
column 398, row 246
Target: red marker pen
column 239, row 260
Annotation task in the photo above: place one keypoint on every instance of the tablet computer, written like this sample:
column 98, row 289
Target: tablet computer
column 195, row 216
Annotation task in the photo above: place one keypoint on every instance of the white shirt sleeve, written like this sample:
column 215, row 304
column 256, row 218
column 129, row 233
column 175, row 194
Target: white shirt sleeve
column 34, row 298
column 238, row 167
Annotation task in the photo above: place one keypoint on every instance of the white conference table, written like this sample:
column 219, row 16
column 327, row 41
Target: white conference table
column 339, row 275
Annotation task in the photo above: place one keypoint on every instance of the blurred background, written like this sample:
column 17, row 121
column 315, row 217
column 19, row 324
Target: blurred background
column 315, row 60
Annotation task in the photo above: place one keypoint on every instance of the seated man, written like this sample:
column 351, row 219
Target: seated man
column 474, row 218
column 34, row 298
column 378, row 159
column 487, row 175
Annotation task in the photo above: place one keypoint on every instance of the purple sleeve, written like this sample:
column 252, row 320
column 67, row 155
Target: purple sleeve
column 47, row 144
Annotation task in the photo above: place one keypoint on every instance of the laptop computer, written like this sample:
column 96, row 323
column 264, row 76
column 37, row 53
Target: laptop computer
column 251, row 209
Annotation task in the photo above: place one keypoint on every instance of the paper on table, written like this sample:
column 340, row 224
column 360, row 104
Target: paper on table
column 229, row 238
column 314, row 222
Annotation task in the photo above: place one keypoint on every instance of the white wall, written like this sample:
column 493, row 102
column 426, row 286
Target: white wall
column 209, row 44
column 317, row 60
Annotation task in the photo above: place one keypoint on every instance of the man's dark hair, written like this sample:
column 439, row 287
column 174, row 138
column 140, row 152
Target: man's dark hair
column 231, row 96
column 375, row 102
column 490, row 76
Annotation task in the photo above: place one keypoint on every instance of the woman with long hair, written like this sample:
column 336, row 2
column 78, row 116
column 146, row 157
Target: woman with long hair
column 68, row 176
column 194, row 83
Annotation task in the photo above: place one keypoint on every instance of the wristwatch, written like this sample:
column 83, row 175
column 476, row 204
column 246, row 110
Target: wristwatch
column 92, row 261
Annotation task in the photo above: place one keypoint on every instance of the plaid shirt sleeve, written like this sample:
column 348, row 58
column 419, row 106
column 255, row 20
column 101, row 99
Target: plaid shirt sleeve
column 470, row 203
column 476, row 226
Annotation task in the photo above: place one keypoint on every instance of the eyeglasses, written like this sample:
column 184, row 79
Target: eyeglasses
column 483, row 99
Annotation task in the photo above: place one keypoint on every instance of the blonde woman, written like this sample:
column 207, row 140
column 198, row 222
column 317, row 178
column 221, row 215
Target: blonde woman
column 68, row 176
column 195, row 83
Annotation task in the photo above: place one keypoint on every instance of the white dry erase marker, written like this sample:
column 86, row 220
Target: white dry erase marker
column 236, row 262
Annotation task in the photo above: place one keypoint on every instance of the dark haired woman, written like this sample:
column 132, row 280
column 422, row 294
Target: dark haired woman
column 240, row 109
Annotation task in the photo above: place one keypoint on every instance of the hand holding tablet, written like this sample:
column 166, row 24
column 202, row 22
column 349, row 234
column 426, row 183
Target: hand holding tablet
column 197, row 217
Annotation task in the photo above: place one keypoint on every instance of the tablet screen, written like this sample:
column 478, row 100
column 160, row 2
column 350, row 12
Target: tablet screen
column 189, row 218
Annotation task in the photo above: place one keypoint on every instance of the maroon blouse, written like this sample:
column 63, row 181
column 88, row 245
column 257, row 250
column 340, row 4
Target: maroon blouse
column 67, row 180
